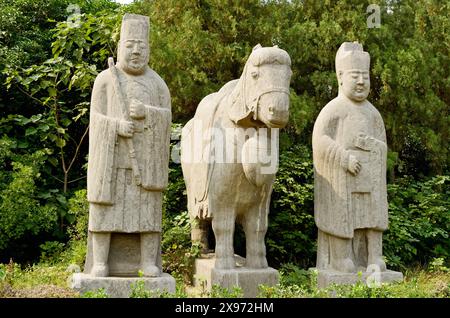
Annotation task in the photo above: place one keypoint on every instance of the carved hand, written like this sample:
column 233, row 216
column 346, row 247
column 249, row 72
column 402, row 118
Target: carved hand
column 126, row 128
column 137, row 109
column 353, row 165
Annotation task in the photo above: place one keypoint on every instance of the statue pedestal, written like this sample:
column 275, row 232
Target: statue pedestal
column 327, row 277
column 120, row 287
column 248, row 279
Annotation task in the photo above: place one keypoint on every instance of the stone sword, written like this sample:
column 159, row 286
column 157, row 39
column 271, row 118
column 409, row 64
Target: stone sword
column 123, row 108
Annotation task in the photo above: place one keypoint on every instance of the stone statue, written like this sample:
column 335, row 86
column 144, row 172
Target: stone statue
column 227, row 181
column 129, row 137
column 349, row 150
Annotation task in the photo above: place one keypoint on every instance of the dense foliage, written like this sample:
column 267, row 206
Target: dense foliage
column 419, row 221
column 49, row 59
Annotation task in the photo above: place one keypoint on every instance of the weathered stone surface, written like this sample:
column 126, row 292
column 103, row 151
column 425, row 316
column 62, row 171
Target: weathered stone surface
column 204, row 266
column 349, row 155
column 248, row 279
column 229, row 156
column 120, row 287
column 129, row 142
column 326, row 278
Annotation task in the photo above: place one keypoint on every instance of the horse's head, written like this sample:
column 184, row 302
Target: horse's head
column 262, row 94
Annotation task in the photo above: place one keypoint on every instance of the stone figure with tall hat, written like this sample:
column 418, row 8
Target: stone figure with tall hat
column 349, row 154
column 129, row 138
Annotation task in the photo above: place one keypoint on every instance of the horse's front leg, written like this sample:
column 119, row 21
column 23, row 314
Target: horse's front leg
column 223, row 227
column 255, row 228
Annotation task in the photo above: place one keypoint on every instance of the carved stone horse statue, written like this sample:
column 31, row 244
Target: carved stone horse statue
column 227, row 181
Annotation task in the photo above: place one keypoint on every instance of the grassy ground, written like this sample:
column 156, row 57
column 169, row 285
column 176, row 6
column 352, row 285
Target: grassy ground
column 50, row 280
column 42, row 281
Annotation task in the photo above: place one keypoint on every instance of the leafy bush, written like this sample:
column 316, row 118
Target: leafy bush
column 22, row 213
column 419, row 221
column 78, row 215
column 175, row 198
column 51, row 250
column 138, row 290
column 291, row 274
column 292, row 232
column 178, row 252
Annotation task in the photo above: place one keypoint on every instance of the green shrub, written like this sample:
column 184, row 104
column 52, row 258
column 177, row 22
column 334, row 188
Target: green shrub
column 292, row 232
column 23, row 215
column 178, row 252
column 419, row 221
column 175, row 199
column 73, row 251
column 291, row 274
column 50, row 251
column 138, row 290
column 79, row 215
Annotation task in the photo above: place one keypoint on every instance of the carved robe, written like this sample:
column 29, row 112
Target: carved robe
column 117, row 203
column 344, row 202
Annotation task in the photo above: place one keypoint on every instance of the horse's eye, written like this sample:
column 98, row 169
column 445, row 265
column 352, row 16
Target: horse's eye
column 254, row 74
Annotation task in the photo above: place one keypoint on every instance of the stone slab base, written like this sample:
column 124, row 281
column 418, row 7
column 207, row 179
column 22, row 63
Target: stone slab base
column 327, row 277
column 246, row 278
column 120, row 287
column 204, row 266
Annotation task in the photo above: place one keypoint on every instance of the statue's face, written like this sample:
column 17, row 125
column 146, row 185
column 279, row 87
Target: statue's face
column 355, row 84
column 133, row 55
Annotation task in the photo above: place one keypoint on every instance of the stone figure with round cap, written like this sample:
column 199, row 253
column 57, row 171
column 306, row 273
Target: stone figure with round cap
column 349, row 153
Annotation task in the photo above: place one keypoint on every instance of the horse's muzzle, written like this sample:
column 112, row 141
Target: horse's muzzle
column 277, row 117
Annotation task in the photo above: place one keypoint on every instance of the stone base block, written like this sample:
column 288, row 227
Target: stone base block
column 120, row 287
column 204, row 266
column 327, row 277
column 246, row 278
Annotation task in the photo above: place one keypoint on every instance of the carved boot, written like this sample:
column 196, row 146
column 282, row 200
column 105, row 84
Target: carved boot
column 375, row 260
column 149, row 254
column 340, row 255
column 100, row 252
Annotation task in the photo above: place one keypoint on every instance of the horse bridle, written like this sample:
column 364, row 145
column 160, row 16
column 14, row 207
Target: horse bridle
column 255, row 102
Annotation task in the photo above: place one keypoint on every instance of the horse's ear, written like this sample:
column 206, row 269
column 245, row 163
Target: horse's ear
column 257, row 46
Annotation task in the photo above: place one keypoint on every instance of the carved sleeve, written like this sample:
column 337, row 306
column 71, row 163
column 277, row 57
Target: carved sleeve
column 325, row 147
